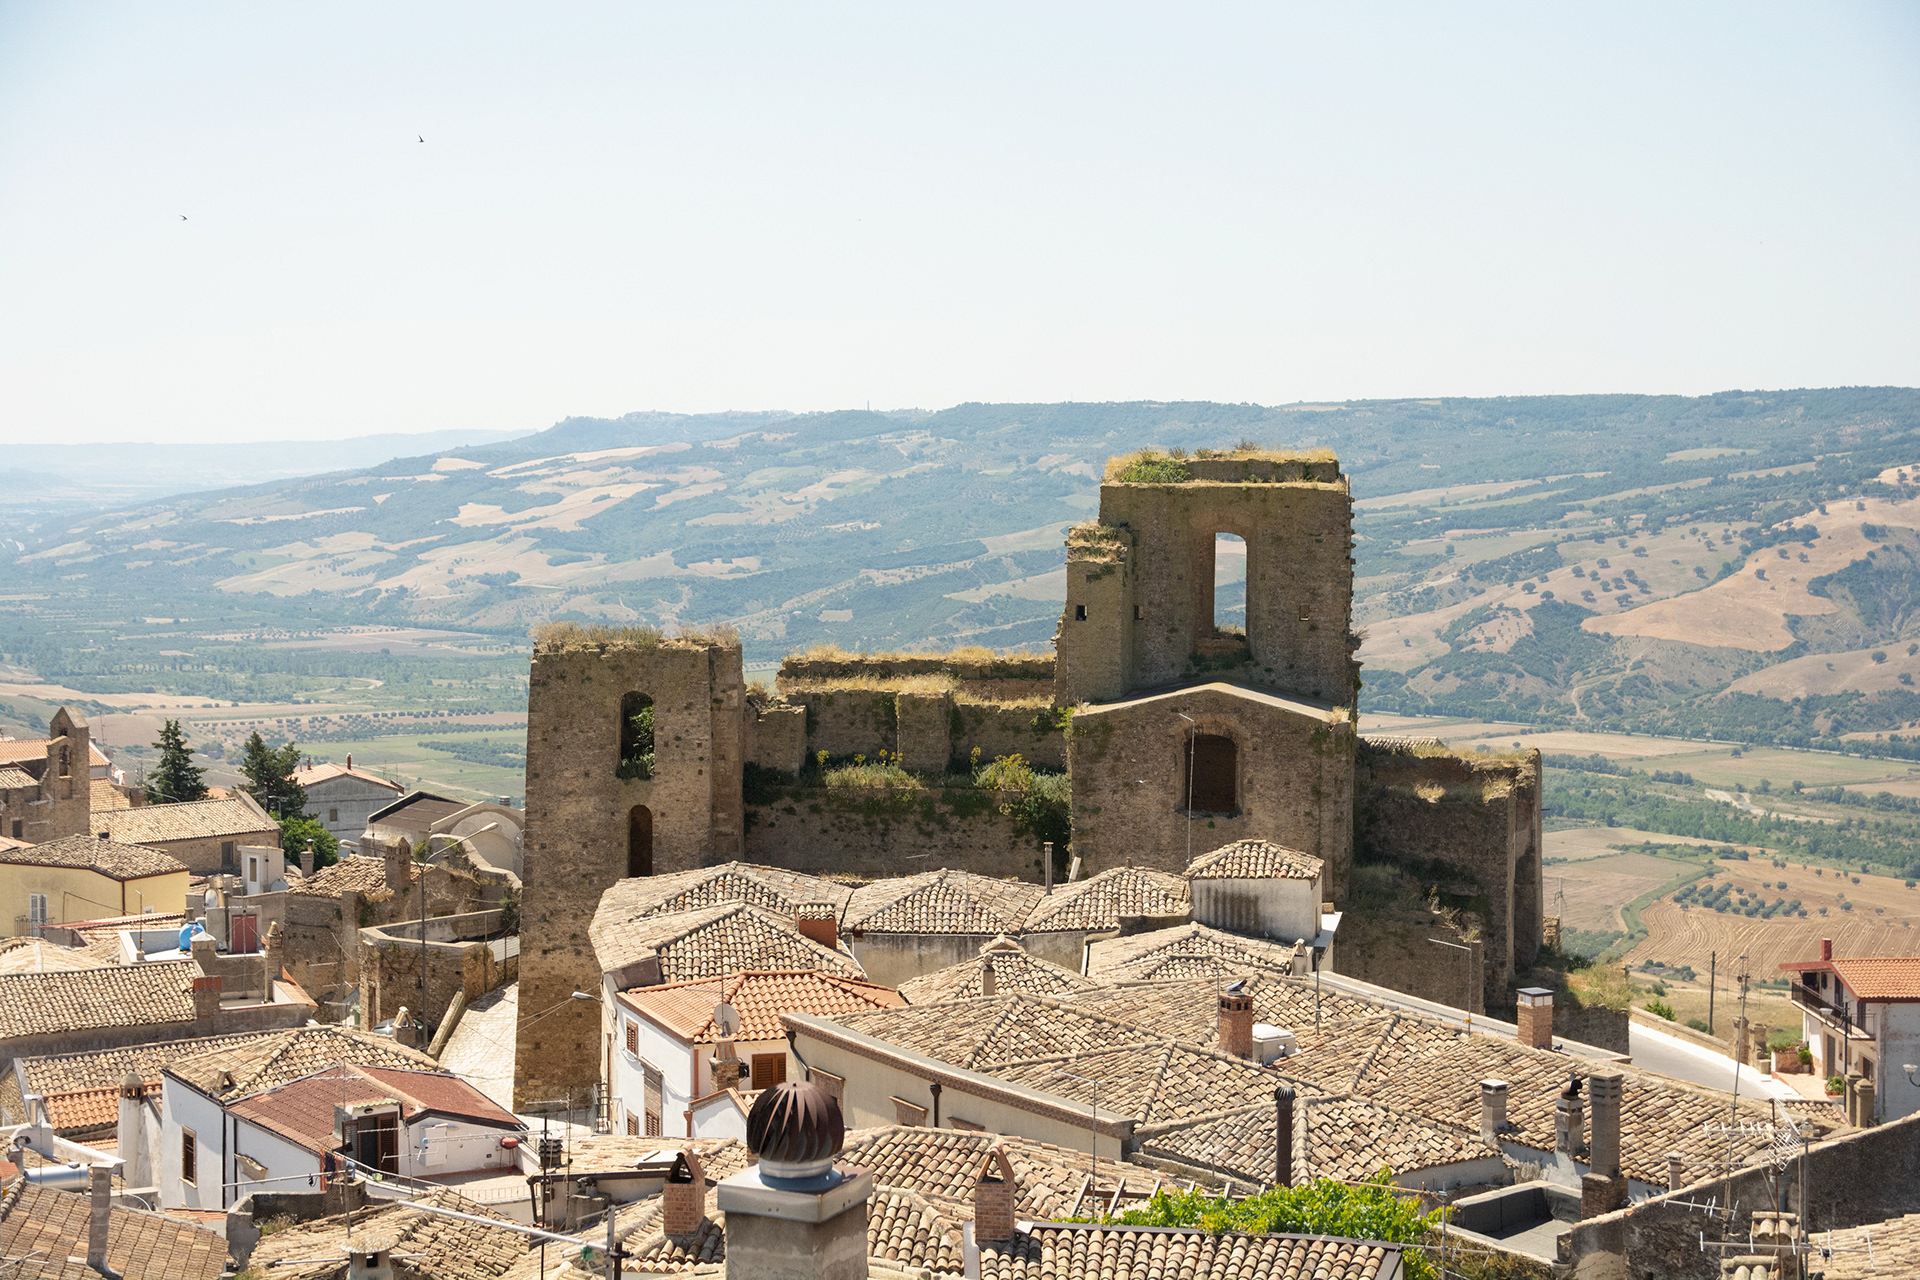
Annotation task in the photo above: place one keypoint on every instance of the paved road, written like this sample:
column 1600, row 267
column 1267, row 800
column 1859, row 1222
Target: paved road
column 1683, row 1060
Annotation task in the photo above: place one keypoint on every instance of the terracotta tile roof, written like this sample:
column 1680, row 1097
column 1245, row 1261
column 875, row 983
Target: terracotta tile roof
column 975, row 1033
column 12, row 779
column 1895, row 1252
column 362, row 875
column 1188, row 1009
column 1013, row 970
column 1180, row 952
column 942, row 1165
column 944, row 901
column 1156, row 1082
column 105, row 1068
column 723, row 1157
column 15, row 750
column 134, row 995
column 909, row 1230
column 449, row 1248
column 69, row 1113
column 38, row 955
column 779, row 891
column 1061, row 1252
column 191, row 820
column 1333, row 1137
column 327, row 772
column 103, row 795
column 759, row 997
column 302, row 1111
column 244, row 1065
column 109, row 858
column 710, row 941
column 1254, row 860
column 1881, row 977
column 1101, row 903
column 53, row 1227
column 107, row 929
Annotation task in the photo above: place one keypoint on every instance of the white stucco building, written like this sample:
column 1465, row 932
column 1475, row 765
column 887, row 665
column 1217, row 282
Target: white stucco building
column 667, row 1069
column 1862, row 1014
column 341, row 798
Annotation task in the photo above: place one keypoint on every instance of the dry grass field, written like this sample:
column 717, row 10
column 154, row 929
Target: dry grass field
column 1589, row 893
column 1885, row 920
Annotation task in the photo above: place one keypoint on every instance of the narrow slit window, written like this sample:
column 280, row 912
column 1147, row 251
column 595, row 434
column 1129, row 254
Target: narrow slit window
column 1212, row 771
column 1229, row 585
column 1079, row 613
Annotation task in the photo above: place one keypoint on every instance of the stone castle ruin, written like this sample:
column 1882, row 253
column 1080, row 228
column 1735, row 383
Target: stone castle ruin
column 648, row 755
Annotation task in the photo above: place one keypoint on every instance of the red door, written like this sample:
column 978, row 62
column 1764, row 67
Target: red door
column 243, row 935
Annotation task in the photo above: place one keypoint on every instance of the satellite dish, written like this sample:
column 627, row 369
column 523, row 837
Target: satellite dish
column 727, row 1018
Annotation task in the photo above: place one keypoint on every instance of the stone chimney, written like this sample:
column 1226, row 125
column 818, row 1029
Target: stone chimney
column 1301, row 965
column 1859, row 1100
column 399, row 859
column 130, row 1135
column 794, row 1215
column 1570, row 1121
column 683, row 1201
column 403, row 1028
column 1536, row 1017
column 1283, row 1136
column 206, row 998
column 994, row 1193
column 1603, row 1189
column 819, row 921
column 306, row 859
column 1676, row 1171
column 1236, row 1021
column 989, row 985
column 100, row 1220
column 727, row 1067
column 273, row 950
column 1493, row 1110
column 370, row 1259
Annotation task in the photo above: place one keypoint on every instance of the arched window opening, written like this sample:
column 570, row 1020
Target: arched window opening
column 636, row 737
column 639, row 841
column 1213, row 774
column 1229, row 586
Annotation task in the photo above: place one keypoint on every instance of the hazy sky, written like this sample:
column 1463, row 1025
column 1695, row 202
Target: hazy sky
column 699, row 207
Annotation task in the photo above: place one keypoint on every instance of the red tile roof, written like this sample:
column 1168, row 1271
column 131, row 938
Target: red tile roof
column 760, row 997
column 302, row 1111
column 1881, row 977
column 52, row 1226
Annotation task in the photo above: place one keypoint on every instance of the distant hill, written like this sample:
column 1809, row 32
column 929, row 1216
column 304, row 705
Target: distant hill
column 934, row 528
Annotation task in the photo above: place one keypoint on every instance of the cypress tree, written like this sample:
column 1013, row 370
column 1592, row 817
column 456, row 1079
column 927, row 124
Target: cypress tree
column 176, row 778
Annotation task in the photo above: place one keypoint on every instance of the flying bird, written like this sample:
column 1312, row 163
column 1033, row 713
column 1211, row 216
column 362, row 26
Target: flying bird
column 183, row 217
column 423, row 139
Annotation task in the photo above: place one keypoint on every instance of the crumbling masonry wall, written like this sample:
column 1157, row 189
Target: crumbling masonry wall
column 1419, row 806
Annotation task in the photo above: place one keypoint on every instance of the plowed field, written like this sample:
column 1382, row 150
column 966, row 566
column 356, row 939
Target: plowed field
column 1687, row 937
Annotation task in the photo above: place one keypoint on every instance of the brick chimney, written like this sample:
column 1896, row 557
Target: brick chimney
column 1283, row 1136
column 683, row 1201
column 1826, row 948
column 1493, row 1110
column 727, row 1067
column 1536, row 1017
column 994, row 1193
column 206, row 998
column 1603, row 1189
column 819, row 921
column 1236, row 1021
column 100, row 1220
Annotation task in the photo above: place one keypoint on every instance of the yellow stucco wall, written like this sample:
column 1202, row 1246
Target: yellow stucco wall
column 77, row 894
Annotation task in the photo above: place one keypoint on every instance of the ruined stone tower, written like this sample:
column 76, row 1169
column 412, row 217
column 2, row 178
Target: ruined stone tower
column 1248, row 735
column 633, row 768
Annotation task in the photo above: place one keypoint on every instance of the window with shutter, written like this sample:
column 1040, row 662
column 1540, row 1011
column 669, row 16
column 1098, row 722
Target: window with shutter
column 189, row 1156
column 633, row 1037
column 652, row 1082
column 769, row 1069
column 633, row 1125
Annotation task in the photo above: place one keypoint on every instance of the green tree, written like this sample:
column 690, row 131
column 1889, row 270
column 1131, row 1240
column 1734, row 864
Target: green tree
column 176, row 778
column 296, row 830
column 269, row 773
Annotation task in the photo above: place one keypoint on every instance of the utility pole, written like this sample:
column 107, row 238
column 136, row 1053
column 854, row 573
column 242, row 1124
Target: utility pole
column 1713, row 964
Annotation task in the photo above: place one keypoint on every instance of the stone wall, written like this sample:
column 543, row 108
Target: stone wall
column 1294, row 783
column 1477, row 818
column 930, row 730
column 889, row 832
column 1857, row 1179
column 454, row 958
column 580, row 815
column 1395, row 949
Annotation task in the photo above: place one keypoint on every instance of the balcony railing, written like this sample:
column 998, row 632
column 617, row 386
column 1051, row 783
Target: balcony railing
column 1835, row 1013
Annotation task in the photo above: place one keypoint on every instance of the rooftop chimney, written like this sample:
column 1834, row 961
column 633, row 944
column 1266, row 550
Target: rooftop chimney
column 1826, row 948
column 1236, row 1021
column 349, row 759
column 1536, row 1017
column 370, row 1260
column 1493, row 1110
column 819, row 921
column 1283, row 1136
column 794, row 1215
column 1603, row 1189
column 988, row 986
column 100, row 1220
column 1300, row 966
column 103, row 835
column 206, row 997
column 403, row 1028
column 130, row 1135
column 1569, row 1121
column 683, row 1201
column 994, row 1192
